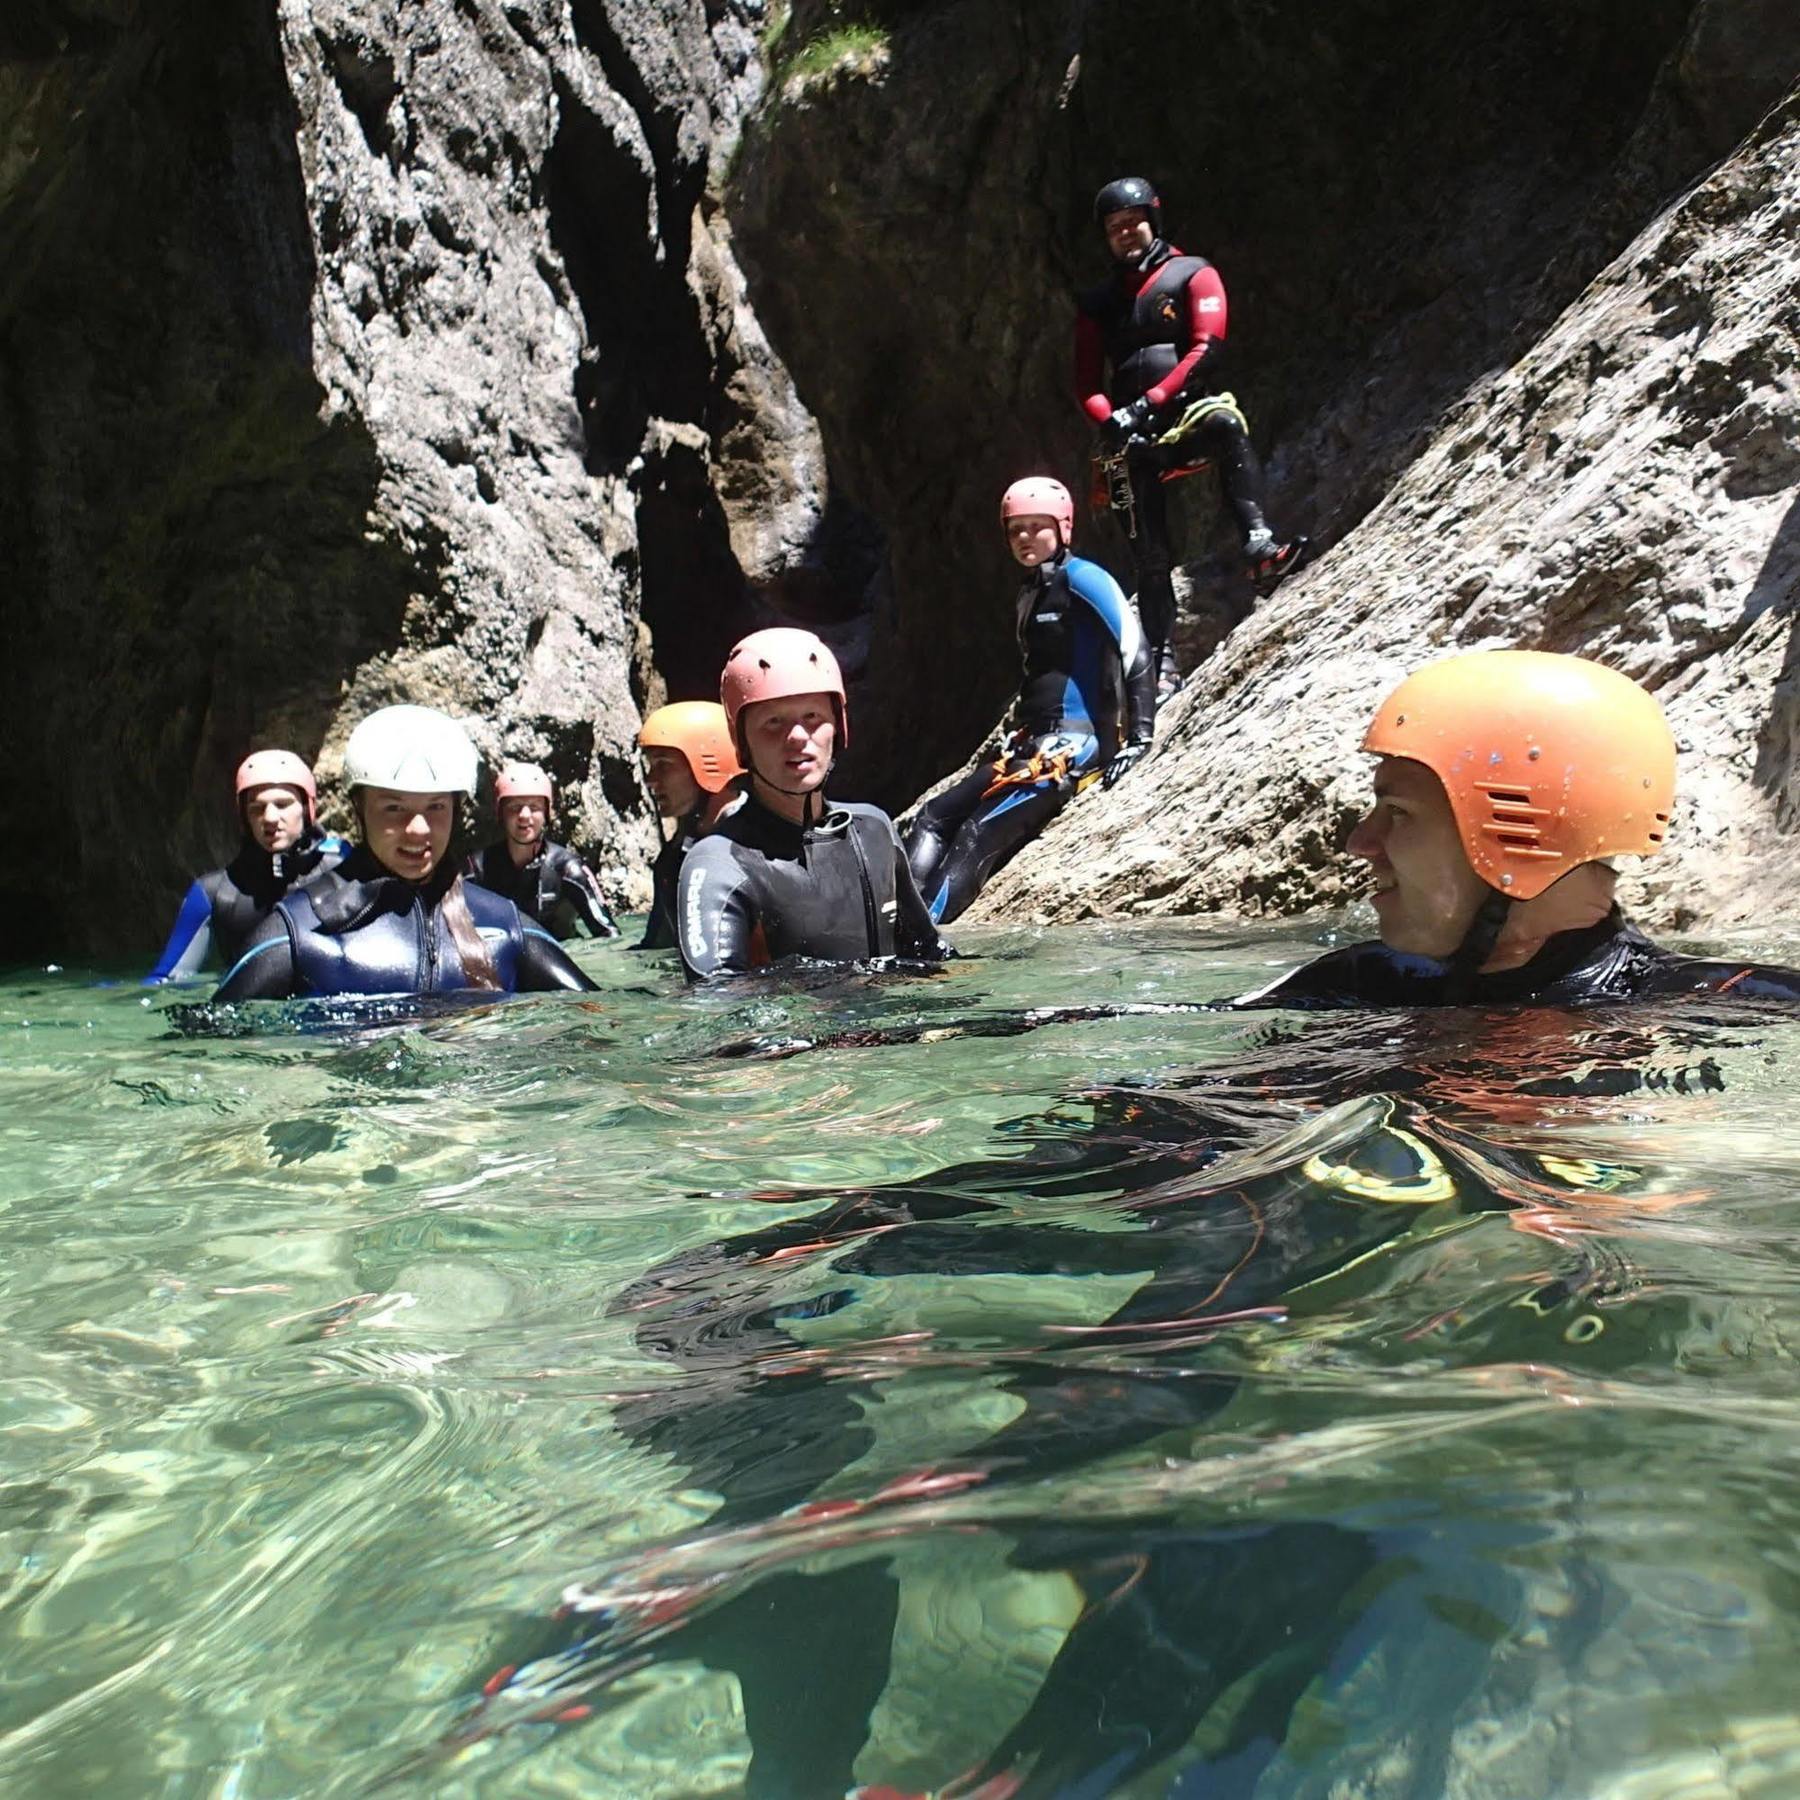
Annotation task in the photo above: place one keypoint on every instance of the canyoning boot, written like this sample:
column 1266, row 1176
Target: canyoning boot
column 1270, row 563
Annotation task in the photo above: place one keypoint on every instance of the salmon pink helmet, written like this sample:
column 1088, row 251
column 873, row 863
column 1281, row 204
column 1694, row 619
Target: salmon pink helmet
column 277, row 768
column 775, row 665
column 1040, row 494
column 516, row 780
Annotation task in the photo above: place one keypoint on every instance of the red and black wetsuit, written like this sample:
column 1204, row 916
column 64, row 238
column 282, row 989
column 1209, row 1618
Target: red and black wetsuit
column 1156, row 331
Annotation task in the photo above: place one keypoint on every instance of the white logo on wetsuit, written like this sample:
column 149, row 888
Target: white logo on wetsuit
column 696, row 919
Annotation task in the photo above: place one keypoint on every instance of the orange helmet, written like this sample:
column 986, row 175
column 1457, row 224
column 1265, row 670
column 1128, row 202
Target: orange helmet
column 776, row 664
column 1549, row 761
column 277, row 768
column 517, row 780
column 696, row 728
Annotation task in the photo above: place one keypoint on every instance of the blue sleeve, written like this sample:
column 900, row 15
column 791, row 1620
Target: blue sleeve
column 189, row 943
column 1092, row 583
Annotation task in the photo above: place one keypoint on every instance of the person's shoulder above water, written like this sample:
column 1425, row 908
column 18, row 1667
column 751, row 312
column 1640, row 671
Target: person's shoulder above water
column 1611, row 961
column 1508, row 779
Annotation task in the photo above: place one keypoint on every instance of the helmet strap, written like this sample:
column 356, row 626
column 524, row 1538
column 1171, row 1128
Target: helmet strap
column 1477, row 946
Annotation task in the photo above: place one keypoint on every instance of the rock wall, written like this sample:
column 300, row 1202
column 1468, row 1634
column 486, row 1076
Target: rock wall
column 356, row 352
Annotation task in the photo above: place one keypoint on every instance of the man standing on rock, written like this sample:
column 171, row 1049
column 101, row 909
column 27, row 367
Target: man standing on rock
column 1148, row 348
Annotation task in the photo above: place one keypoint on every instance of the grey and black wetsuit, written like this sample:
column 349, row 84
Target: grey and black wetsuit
column 1612, row 960
column 556, row 889
column 1089, row 688
column 362, row 930
column 224, row 906
column 757, row 889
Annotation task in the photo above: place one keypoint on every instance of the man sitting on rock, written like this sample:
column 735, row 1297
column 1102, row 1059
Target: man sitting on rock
column 1506, row 778
column 1087, row 704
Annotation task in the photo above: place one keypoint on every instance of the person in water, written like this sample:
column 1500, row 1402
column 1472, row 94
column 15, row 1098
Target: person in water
column 690, row 767
column 1506, row 779
column 396, row 916
column 1149, row 350
column 547, row 882
column 787, row 873
column 277, row 804
column 1087, row 703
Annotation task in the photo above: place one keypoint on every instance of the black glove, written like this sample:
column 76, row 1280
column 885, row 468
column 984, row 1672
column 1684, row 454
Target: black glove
column 1126, row 423
column 1123, row 759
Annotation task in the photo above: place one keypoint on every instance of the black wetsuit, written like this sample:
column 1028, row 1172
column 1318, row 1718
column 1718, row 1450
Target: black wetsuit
column 1089, row 687
column 556, row 888
column 224, row 906
column 665, row 879
column 1160, row 326
column 362, row 930
column 1612, row 960
column 757, row 889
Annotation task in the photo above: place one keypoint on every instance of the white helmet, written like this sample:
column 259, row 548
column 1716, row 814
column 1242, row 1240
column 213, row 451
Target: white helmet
column 414, row 748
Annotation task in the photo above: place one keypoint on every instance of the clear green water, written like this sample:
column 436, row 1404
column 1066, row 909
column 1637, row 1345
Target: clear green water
column 332, row 1360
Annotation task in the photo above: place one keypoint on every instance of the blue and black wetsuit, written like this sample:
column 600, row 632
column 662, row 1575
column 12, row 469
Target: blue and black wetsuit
column 556, row 889
column 1612, row 960
column 758, row 888
column 362, row 930
column 1089, row 688
column 224, row 906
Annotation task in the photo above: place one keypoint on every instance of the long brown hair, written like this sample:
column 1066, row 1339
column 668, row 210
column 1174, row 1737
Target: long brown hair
column 478, row 964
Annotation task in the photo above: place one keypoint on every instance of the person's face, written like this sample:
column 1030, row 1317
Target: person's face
column 275, row 816
column 1426, row 894
column 524, row 818
column 672, row 782
column 407, row 833
column 1128, row 234
column 1032, row 538
column 791, row 740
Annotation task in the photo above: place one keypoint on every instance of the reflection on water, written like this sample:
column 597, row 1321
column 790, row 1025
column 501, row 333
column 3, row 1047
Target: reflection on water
column 527, row 1398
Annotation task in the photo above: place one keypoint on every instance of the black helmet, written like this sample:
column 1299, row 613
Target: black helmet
column 1128, row 190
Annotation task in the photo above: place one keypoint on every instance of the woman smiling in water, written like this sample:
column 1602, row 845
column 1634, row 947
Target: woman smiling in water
column 396, row 917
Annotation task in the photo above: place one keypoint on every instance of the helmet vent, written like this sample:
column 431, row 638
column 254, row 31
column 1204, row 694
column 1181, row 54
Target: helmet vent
column 1513, row 822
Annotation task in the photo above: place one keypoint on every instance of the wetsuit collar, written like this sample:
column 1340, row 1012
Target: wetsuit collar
column 366, row 888
column 769, row 824
column 1561, row 955
column 268, row 874
column 1153, row 259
